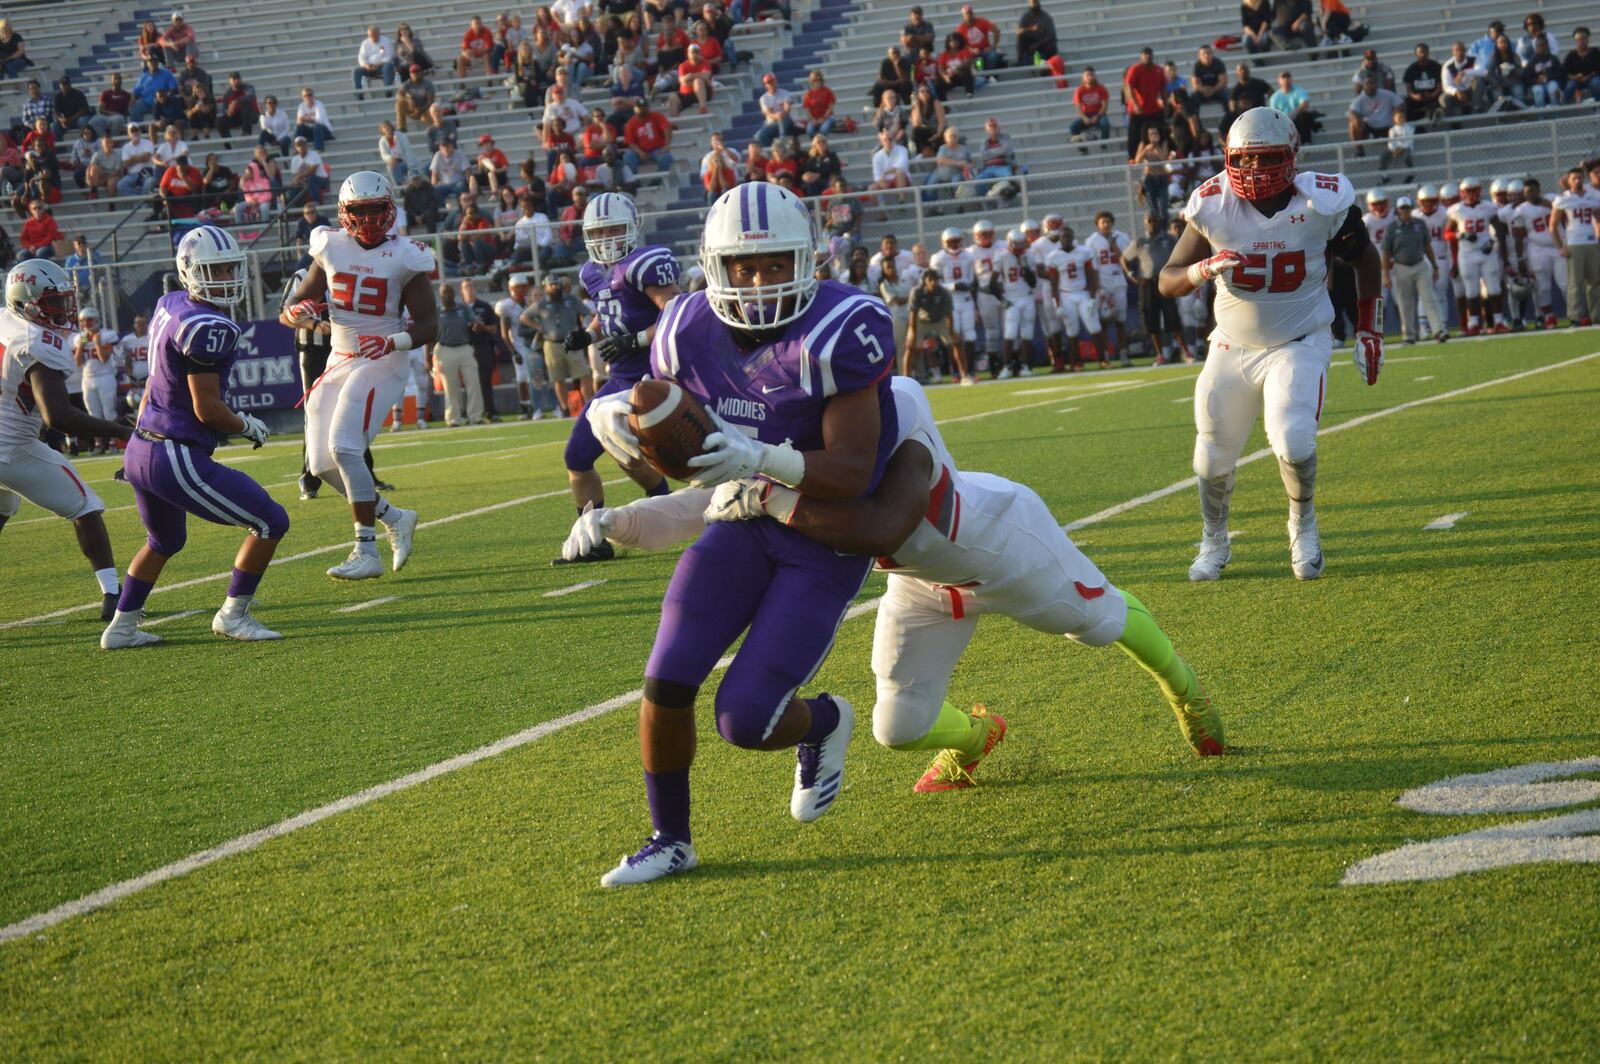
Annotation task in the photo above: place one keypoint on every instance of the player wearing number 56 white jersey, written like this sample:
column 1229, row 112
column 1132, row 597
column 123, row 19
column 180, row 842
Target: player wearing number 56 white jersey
column 1263, row 233
column 367, row 279
column 1481, row 246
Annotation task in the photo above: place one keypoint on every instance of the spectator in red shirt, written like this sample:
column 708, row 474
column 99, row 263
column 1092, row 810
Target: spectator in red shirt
column 41, row 236
column 782, row 164
column 710, row 48
column 556, row 140
column 40, row 139
column 477, row 247
column 493, row 169
column 818, row 102
column 570, row 233
column 981, row 37
column 177, row 43
column 1091, row 98
column 597, row 136
column 239, row 110
column 476, row 44
column 648, row 135
column 672, row 44
column 1143, row 90
column 694, row 81
column 955, row 67
column 182, row 189
column 112, row 115
column 755, row 162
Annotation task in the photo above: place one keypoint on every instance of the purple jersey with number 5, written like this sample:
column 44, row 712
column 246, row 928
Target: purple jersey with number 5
column 186, row 336
column 620, row 302
column 844, row 342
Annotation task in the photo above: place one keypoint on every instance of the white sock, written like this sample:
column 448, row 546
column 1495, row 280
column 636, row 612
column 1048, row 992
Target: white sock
column 366, row 540
column 384, row 511
column 109, row 584
column 236, row 603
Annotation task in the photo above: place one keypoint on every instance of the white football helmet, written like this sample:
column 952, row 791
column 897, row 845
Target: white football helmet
column 366, row 206
column 1053, row 225
column 1266, row 136
column 211, row 266
column 759, row 218
column 41, row 292
column 983, row 232
column 1449, row 193
column 1471, row 191
column 1017, row 241
column 1516, row 189
column 1426, row 193
column 611, row 227
column 87, row 315
column 949, row 237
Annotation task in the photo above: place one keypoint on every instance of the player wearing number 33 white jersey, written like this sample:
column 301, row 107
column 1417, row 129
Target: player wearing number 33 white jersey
column 956, row 546
column 1263, row 233
column 368, row 280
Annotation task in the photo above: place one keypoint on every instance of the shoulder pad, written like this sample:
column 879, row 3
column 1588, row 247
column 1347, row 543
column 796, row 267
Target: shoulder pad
column 1329, row 194
column 207, row 338
column 652, row 267
column 417, row 255
column 318, row 242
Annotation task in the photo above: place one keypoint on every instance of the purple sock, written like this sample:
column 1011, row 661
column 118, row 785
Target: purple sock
column 668, row 793
column 824, row 718
column 134, row 592
column 661, row 488
column 243, row 584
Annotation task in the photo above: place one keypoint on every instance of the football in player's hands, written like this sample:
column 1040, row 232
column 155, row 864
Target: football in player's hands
column 671, row 426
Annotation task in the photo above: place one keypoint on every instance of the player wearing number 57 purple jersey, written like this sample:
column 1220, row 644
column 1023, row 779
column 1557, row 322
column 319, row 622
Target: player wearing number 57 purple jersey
column 628, row 285
column 795, row 372
column 193, row 344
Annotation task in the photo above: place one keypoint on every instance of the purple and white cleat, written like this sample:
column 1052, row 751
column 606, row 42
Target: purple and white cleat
column 819, row 768
column 658, row 857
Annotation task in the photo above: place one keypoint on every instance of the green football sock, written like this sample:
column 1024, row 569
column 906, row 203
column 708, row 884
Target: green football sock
column 952, row 729
column 1145, row 642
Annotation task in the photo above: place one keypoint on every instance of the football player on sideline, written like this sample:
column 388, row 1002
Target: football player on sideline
column 795, row 372
column 1012, row 282
column 984, row 250
column 35, row 362
column 629, row 283
column 368, row 279
column 1263, row 232
column 193, row 344
column 958, row 272
column 1480, row 258
column 1075, row 288
column 1011, row 558
column 1536, row 251
column 1108, row 243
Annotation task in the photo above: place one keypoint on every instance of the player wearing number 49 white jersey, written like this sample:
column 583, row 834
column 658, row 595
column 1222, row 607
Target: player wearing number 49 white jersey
column 367, row 278
column 956, row 546
column 1576, row 225
column 1481, row 246
column 1263, row 232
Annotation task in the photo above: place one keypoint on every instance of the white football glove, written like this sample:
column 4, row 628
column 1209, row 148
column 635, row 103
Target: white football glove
column 588, row 532
column 255, row 430
column 738, row 500
column 731, row 455
column 608, row 420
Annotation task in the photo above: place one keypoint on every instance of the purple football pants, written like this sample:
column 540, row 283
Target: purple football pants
column 171, row 480
column 790, row 592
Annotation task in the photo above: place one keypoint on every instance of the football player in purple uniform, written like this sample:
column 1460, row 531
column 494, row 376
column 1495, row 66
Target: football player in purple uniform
column 795, row 373
column 629, row 285
column 193, row 344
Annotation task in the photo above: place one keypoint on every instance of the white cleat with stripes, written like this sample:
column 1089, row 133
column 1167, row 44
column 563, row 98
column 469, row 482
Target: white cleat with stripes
column 819, row 768
column 1215, row 552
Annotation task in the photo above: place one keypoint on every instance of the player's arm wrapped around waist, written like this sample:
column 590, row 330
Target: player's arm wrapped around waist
column 656, row 522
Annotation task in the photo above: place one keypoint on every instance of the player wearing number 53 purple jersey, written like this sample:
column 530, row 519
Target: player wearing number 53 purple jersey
column 796, row 375
column 628, row 286
column 193, row 344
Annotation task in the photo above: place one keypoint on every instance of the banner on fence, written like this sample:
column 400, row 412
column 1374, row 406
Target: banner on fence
column 266, row 375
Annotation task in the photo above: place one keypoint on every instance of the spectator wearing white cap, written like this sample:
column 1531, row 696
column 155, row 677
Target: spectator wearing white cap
column 776, row 105
column 1410, row 270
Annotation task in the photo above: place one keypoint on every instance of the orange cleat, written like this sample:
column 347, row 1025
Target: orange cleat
column 948, row 772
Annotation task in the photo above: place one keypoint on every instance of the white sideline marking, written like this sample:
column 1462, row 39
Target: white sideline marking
column 1428, row 377
column 504, row 457
column 1440, row 524
column 1184, row 399
column 367, row 605
column 558, row 592
column 244, row 843
column 1068, row 410
column 180, row 615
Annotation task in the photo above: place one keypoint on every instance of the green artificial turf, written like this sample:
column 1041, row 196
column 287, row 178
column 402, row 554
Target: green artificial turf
column 1102, row 893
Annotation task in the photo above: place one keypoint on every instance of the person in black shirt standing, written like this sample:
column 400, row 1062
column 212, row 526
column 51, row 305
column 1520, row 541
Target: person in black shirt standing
column 1247, row 92
column 312, row 347
column 1424, row 81
column 485, row 330
column 1208, row 85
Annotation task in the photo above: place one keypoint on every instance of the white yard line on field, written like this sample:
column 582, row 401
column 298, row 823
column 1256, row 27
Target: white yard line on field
column 367, row 605
column 245, row 843
column 1442, row 524
column 558, row 592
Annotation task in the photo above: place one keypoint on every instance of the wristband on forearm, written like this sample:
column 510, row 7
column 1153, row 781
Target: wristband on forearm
column 780, row 503
column 1369, row 314
column 401, row 341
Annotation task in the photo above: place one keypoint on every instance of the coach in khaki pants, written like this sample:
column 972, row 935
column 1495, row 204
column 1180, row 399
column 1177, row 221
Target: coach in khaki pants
column 1410, row 270
column 452, row 354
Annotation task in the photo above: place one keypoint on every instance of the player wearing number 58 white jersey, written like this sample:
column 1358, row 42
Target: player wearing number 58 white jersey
column 367, row 279
column 1263, row 233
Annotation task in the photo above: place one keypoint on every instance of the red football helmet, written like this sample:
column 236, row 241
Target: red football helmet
column 1471, row 191
column 366, row 207
column 1260, row 153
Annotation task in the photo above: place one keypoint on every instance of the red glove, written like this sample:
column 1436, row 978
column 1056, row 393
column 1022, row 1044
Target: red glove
column 1369, row 338
column 1222, row 262
column 375, row 346
column 307, row 310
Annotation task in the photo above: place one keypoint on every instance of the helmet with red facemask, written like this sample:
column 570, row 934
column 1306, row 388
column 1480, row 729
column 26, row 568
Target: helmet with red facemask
column 951, row 240
column 983, row 233
column 1471, row 191
column 1260, row 153
column 41, row 292
column 366, row 207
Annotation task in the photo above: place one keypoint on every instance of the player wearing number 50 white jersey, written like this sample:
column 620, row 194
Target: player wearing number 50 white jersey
column 35, row 364
column 1481, row 246
column 367, row 279
column 1012, row 282
column 956, row 546
column 1263, row 233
